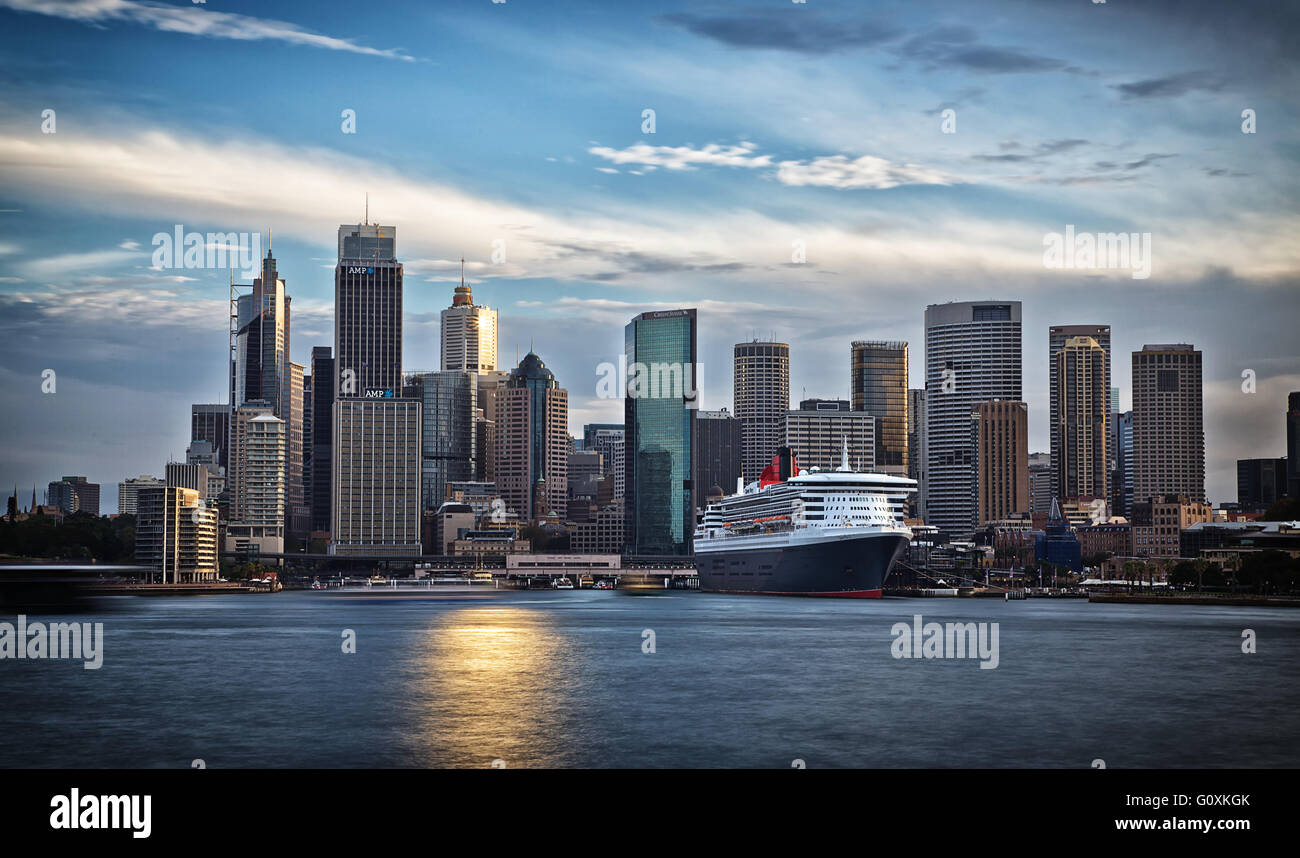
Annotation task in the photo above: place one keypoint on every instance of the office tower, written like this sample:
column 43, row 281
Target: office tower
column 377, row 477
column 128, row 492
column 256, row 481
column 619, row 447
column 307, row 386
column 74, row 494
column 659, row 456
column 1122, row 486
column 878, row 377
column 211, row 423
column 972, row 355
column 449, row 400
column 603, row 437
column 532, row 441
column 586, row 473
column 761, row 388
column 297, row 516
column 1260, row 483
column 817, row 430
column 602, row 535
column 259, row 365
column 375, row 480
column 1040, row 483
column 489, row 384
column 1293, row 444
column 201, row 453
column 182, row 475
column 718, row 451
column 176, row 535
column 1057, row 336
column 1168, row 433
column 322, row 434
column 469, row 333
column 1001, row 459
column 1081, row 385
column 916, row 448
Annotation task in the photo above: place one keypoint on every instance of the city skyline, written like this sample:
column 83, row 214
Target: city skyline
column 709, row 211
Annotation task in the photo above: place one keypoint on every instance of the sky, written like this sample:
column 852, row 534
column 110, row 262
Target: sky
column 815, row 173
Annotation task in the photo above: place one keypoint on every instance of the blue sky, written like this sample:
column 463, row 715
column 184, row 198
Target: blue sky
column 521, row 123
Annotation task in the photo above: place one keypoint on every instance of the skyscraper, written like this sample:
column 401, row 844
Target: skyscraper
column 176, row 535
column 659, row 456
column 718, row 448
column 1168, row 430
column 916, row 447
column 469, row 332
column 972, row 355
column 532, row 441
column 1002, row 460
column 322, row 434
column 74, row 494
column 1122, row 490
column 761, row 392
column 448, row 402
column 1081, row 386
column 878, row 378
column 1293, row 445
column 297, row 516
column 1260, row 482
column 256, row 480
column 211, row 422
column 1057, row 335
column 260, row 358
column 375, row 480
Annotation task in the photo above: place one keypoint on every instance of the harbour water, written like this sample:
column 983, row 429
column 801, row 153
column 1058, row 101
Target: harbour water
column 551, row 679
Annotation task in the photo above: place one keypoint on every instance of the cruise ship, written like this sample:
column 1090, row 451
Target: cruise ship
column 805, row 533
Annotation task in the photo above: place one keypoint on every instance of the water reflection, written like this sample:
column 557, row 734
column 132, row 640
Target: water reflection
column 491, row 684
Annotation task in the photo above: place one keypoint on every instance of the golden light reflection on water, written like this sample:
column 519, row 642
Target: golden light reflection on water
column 490, row 685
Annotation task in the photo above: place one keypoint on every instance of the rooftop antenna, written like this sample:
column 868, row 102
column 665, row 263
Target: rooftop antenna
column 462, row 272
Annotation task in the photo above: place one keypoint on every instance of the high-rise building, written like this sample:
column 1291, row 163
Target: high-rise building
column 916, row 448
column 74, row 494
column 761, row 390
column 1001, row 432
column 1260, row 483
column 603, row 438
column 1081, row 387
column 1168, row 432
column 1057, row 336
column 532, row 441
column 375, row 437
column 376, row 477
column 184, row 475
column 211, row 422
column 1122, row 485
column 1040, row 483
column 659, row 456
column 256, row 480
column 1293, row 444
column 297, row 514
column 176, row 535
column 128, row 492
column 819, row 428
column 972, row 354
column 260, row 343
column 322, row 435
column 449, row 400
column 469, row 333
column 718, row 446
column 878, row 375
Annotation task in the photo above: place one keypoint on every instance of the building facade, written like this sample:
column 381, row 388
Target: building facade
column 1057, row 338
column 531, row 452
column 176, row 535
column 448, row 401
column 719, row 449
column 1159, row 521
column 128, row 492
column 761, row 392
column 659, row 452
column 469, row 333
column 878, row 379
column 972, row 354
column 819, row 428
column 1081, row 409
column 1001, row 432
column 256, row 481
column 1168, row 429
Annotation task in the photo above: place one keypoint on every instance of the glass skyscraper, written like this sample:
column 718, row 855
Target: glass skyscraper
column 659, row 419
column 879, row 379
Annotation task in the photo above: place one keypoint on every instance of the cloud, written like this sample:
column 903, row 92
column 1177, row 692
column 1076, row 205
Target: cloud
column 1171, row 86
column 830, row 171
column 797, row 32
column 192, row 20
column 958, row 47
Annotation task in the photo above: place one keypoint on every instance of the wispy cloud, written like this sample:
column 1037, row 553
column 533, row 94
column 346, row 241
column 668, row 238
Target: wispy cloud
column 193, row 20
column 1172, row 86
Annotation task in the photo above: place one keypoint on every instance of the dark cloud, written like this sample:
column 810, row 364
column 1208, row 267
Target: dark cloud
column 1042, row 150
column 1172, row 86
column 805, row 34
column 631, row 262
column 958, row 47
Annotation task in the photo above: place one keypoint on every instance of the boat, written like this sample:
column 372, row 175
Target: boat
column 563, row 584
column 805, row 533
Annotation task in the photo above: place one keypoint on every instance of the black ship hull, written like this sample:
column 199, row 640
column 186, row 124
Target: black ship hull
column 846, row 568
